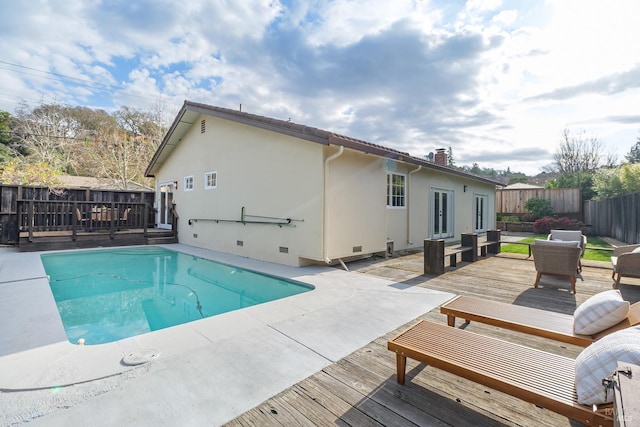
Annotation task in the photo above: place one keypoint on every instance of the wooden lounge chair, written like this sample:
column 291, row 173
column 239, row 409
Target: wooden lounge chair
column 544, row 379
column 547, row 324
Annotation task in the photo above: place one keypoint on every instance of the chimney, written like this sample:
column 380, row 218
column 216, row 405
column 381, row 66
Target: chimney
column 440, row 157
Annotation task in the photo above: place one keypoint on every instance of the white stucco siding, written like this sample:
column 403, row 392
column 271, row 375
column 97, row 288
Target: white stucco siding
column 356, row 218
column 267, row 173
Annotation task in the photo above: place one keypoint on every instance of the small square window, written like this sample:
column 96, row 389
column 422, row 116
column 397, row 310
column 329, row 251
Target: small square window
column 210, row 180
column 188, row 183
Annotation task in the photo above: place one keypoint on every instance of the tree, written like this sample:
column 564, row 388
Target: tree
column 518, row 179
column 580, row 154
column 450, row 161
column 634, row 154
column 609, row 182
column 6, row 137
column 18, row 171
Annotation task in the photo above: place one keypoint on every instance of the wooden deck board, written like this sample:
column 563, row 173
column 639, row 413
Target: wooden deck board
column 361, row 389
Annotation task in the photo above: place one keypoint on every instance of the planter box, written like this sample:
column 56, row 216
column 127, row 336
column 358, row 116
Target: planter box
column 524, row 227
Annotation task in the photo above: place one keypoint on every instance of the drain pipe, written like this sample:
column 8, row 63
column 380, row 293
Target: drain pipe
column 325, row 216
column 408, row 198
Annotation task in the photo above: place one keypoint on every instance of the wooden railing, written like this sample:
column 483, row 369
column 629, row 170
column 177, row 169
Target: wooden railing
column 41, row 216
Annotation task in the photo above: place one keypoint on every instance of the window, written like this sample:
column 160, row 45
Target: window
column 395, row 190
column 210, row 180
column 188, row 183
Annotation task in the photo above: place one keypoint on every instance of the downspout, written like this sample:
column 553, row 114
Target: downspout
column 325, row 216
column 409, row 202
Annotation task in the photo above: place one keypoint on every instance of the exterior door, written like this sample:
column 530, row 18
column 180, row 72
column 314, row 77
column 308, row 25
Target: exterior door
column 481, row 219
column 441, row 213
column 165, row 200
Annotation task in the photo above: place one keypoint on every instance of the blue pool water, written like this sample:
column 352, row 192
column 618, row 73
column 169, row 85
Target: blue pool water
column 107, row 295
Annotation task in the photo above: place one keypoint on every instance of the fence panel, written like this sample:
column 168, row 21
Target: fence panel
column 616, row 217
column 563, row 200
column 10, row 194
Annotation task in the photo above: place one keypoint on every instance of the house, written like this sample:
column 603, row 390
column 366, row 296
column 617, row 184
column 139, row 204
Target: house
column 282, row 192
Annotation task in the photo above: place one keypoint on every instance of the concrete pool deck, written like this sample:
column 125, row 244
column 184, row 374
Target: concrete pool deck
column 208, row 371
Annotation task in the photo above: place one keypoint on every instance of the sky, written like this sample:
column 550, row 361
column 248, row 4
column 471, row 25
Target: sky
column 498, row 82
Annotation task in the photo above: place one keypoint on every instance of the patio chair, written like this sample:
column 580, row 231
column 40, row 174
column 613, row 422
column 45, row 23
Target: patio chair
column 533, row 321
column 545, row 379
column 570, row 236
column 555, row 258
column 625, row 262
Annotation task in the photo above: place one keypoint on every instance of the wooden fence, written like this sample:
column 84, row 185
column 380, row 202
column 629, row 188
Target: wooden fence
column 11, row 197
column 617, row 217
column 564, row 201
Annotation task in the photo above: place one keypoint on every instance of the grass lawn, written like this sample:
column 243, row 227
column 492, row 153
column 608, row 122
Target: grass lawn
column 589, row 254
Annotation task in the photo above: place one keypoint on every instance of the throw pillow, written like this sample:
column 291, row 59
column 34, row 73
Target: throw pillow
column 636, row 250
column 599, row 360
column 600, row 312
column 571, row 243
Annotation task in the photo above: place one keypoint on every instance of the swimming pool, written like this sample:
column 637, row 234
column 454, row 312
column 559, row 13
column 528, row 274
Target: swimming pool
column 107, row 295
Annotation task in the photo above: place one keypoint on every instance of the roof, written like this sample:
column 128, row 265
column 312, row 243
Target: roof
column 190, row 112
column 522, row 186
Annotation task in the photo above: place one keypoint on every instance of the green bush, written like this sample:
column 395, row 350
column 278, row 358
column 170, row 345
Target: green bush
column 538, row 207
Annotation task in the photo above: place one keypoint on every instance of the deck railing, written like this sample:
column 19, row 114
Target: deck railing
column 40, row 216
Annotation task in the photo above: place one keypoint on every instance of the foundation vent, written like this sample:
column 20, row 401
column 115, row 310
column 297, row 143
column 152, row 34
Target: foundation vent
column 239, row 243
column 357, row 249
column 284, row 250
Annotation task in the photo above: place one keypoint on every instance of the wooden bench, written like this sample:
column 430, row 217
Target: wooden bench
column 544, row 379
column 533, row 321
column 435, row 253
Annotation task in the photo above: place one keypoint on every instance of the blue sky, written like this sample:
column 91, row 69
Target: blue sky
column 497, row 81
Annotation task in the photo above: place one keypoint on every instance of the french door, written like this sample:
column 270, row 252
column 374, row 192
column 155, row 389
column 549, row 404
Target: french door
column 441, row 213
column 481, row 213
column 165, row 200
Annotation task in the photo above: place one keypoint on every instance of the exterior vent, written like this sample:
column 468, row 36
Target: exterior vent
column 239, row 243
column 195, row 236
column 203, row 126
column 357, row 249
column 284, row 250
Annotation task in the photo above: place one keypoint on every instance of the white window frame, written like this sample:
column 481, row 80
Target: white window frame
column 393, row 198
column 188, row 183
column 207, row 186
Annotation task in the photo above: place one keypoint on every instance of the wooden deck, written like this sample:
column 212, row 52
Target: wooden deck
column 361, row 389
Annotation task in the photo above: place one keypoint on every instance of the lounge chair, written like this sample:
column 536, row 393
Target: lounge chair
column 544, row 379
column 625, row 262
column 547, row 324
column 555, row 258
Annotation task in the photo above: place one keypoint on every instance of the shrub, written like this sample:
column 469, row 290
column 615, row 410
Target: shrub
column 548, row 223
column 538, row 207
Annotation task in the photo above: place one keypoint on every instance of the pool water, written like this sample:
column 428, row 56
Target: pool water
column 107, row 295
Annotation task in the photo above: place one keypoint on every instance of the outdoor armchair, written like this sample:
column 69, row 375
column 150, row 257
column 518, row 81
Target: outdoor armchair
column 556, row 259
column 573, row 236
column 625, row 262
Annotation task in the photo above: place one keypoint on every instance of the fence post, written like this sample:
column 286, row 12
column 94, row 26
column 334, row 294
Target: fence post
column 434, row 256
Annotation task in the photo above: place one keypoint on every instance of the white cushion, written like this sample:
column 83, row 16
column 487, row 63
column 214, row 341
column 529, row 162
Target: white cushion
column 600, row 312
column 599, row 360
column 557, row 243
column 566, row 234
column 636, row 250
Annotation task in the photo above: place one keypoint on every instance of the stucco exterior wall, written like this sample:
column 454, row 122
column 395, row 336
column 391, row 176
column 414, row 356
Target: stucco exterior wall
column 267, row 173
column 356, row 207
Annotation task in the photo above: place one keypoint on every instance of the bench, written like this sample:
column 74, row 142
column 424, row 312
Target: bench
column 544, row 379
column 493, row 242
column 533, row 321
column 435, row 253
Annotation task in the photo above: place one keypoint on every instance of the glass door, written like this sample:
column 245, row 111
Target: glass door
column 441, row 213
column 165, row 201
column 481, row 215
